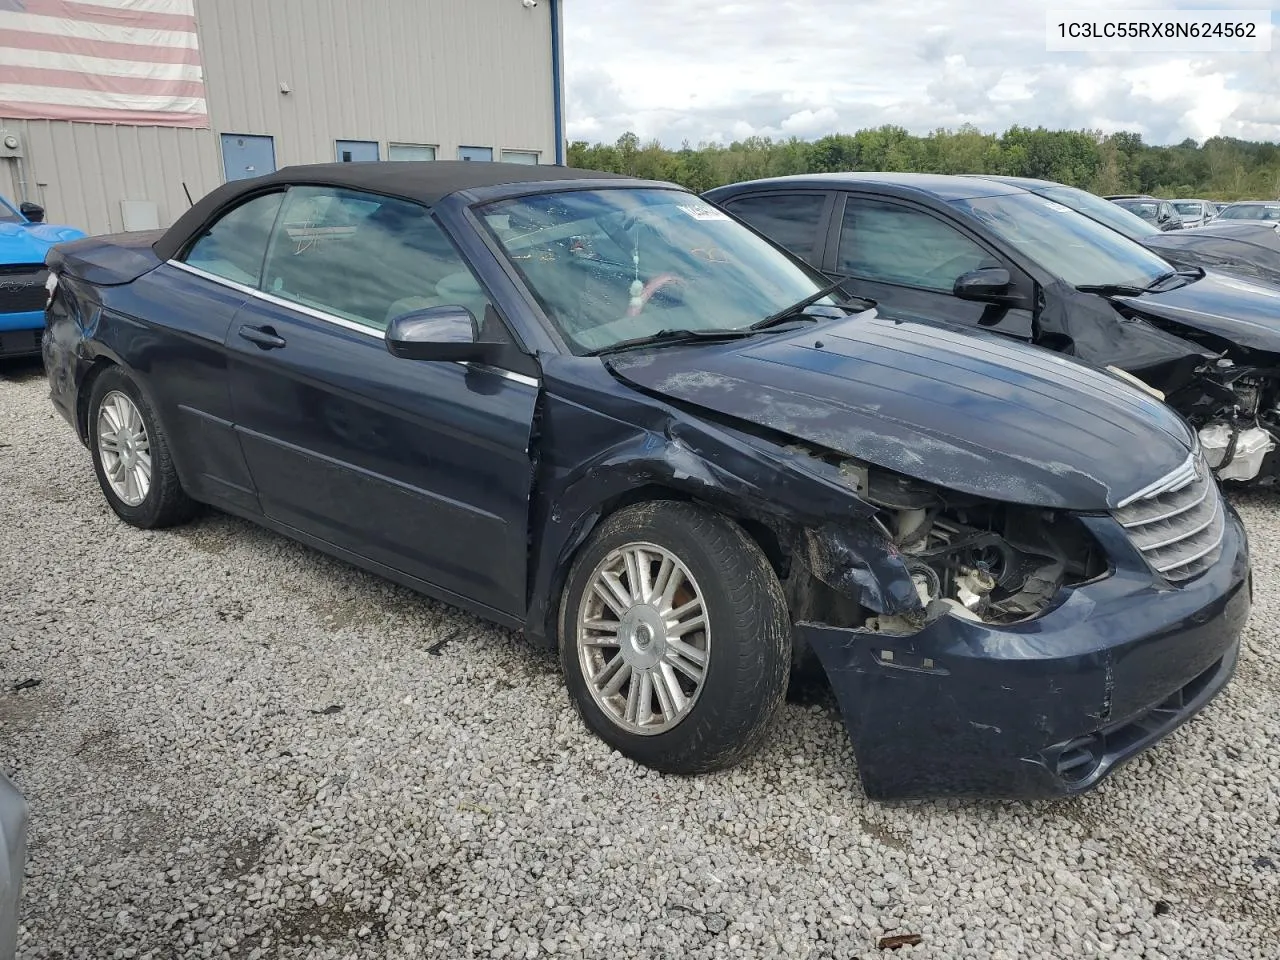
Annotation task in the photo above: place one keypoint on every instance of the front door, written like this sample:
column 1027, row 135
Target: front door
column 422, row 467
column 199, row 296
column 908, row 259
column 355, row 151
column 245, row 156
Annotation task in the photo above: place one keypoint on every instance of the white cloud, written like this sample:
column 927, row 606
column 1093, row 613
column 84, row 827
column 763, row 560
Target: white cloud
column 676, row 70
column 807, row 123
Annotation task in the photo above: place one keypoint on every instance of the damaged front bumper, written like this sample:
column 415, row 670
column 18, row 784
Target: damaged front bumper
column 1049, row 706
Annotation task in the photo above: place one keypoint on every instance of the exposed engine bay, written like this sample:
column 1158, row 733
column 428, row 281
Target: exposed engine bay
column 1236, row 413
column 1241, row 428
column 1206, row 368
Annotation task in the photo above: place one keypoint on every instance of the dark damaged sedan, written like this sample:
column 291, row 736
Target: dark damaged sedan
column 599, row 411
column 990, row 254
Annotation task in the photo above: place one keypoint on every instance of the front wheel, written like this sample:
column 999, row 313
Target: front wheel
column 675, row 637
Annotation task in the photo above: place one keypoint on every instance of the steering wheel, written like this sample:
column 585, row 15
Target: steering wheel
column 652, row 287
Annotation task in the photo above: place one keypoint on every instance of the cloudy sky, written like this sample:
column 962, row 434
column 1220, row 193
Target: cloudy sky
column 710, row 70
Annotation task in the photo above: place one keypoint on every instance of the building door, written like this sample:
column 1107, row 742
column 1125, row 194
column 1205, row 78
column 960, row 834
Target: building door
column 245, row 156
column 356, row 151
column 410, row 151
column 475, row 153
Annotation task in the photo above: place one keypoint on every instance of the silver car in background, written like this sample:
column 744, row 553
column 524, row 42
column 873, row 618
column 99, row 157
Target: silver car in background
column 1159, row 213
column 1195, row 213
column 13, row 856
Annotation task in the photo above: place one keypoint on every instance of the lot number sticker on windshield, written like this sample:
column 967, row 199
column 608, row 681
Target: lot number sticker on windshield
column 703, row 211
column 1053, row 205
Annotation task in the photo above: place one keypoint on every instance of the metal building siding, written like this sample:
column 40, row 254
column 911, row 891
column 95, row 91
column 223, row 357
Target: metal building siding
column 447, row 73
column 81, row 171
column 439, row 72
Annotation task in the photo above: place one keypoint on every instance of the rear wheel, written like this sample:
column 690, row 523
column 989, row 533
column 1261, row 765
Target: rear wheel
column 675, row 637
column 131, row 455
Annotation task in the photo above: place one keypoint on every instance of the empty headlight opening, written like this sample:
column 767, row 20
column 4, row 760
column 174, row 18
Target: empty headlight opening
column 990, row 562
column 971, row 557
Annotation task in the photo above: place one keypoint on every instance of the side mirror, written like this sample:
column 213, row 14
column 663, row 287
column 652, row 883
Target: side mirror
column 437, row 333
column 983, row 284
column 32, row 211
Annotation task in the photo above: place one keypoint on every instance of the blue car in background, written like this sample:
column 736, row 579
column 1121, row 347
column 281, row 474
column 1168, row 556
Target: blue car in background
column 24, row 240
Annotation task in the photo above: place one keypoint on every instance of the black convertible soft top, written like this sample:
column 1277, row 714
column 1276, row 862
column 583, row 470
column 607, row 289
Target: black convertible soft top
column 424, row 181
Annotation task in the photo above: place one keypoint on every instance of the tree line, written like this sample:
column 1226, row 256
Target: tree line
column 1222, row 168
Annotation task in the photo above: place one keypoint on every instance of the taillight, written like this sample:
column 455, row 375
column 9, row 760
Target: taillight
column 50, row 288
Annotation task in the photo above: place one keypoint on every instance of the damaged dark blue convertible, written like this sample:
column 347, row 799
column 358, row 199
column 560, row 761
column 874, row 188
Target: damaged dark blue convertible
column 600, row 411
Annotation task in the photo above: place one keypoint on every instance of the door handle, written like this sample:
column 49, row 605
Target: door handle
column 265, row 337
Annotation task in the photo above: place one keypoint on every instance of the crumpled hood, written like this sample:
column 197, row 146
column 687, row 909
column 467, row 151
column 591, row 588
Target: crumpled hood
column 1248, row 250
column 29, row 242
column 970, row 412
column 1239, row 310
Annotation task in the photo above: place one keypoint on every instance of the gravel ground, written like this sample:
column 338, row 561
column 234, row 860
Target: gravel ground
column 240, row 748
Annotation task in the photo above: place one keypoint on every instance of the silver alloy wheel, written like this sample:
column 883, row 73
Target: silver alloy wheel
column 644, row 641
column 124, row 448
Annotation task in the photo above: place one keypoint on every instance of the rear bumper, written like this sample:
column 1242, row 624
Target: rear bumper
column 1044, row 708
column 20, row 333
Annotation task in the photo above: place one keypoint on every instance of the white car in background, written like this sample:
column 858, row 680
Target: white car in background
column 1267, row 211
column 1195, row 213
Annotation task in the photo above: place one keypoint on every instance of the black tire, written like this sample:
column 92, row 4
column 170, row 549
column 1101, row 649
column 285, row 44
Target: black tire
column 166, row 503
column 745, row 679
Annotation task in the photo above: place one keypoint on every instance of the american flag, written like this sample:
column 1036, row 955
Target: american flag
column 102, row 61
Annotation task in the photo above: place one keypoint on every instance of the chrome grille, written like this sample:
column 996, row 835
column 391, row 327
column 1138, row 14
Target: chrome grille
column 1178, row 522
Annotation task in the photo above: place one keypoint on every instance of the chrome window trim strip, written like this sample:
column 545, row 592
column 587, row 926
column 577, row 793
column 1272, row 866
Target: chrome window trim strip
column 281, row 301
column 331, row 318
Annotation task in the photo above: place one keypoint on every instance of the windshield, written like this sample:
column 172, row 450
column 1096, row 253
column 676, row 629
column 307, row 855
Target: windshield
column 1104, row 211
column 613, row 265
column 1146, row 209
column 1071, row 246
column 1251, row 211
column 10, row 215
column 1189, row 208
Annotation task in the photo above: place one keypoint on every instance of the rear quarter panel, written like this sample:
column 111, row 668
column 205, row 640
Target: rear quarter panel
column 167, row 329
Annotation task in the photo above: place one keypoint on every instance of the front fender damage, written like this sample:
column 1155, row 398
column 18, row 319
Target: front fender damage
column 852, row 546
column 811, row 507
column 833, row 551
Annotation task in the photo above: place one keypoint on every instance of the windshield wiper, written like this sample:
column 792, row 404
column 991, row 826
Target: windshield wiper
column 1160, row 280
column 1112, row 289
column 786, row 313
column 1133, row 290
column 665, row 337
